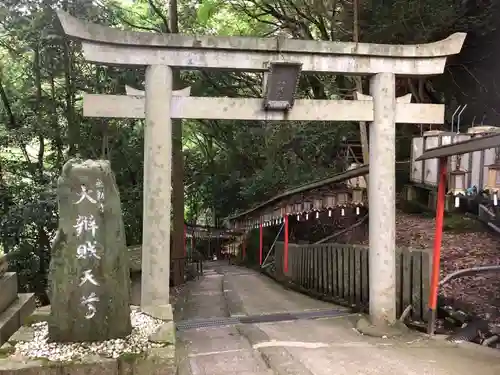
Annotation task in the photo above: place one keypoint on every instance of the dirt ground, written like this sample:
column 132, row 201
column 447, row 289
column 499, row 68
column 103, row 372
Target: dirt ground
column 459, row 251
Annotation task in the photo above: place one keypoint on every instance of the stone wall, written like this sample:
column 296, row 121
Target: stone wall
column 14, row 307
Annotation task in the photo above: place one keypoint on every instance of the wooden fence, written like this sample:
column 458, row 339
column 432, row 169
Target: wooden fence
column 341, row 272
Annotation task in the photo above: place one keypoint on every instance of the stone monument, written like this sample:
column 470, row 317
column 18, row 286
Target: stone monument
column 89, row 283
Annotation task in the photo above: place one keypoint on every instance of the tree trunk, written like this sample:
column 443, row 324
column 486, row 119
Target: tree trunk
column 43, row 244
column 73, row 126
column 177, row 173
column 363, row 129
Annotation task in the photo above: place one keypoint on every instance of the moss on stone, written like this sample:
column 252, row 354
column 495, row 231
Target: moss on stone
column 109, row 266
column 131, row 357
column 6, row 350
column 41, row 314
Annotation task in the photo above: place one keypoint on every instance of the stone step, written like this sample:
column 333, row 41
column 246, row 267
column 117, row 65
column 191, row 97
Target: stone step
column 8, row 288
column 13, row 318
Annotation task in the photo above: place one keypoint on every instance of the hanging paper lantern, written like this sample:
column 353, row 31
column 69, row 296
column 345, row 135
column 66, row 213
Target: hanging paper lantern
column 297, row 210
column 307, row 208
column 457, row 182
column 357, row 195
column 342, row 200
column 318, row 205
column 329, row 203
column 277, row 215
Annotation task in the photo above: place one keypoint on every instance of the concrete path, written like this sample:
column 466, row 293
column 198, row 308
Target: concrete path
column 214, row 351
column 304, row 347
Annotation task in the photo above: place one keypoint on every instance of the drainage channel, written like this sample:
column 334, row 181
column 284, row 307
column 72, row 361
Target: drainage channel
column 263, row 318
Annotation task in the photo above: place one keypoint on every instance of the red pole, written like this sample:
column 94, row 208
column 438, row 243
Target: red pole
column 438, row 235
column 260, row 243
column 285, row 263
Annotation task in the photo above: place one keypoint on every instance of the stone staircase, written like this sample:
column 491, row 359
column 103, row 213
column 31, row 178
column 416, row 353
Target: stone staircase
column 14, row 307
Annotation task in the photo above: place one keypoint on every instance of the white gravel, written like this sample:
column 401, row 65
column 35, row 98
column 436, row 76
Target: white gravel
column 136, row 343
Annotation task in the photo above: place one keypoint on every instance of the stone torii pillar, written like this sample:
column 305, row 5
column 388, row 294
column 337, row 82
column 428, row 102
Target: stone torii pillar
column 157, row 161
column 382, row 196
column 162, row 52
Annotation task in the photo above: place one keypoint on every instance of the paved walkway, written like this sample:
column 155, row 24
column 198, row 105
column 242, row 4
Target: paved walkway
column 302, row 347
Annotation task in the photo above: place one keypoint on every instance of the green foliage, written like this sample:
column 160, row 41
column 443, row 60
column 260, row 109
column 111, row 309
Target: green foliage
column 229, row 166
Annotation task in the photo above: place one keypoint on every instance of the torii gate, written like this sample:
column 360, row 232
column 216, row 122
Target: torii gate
column 162, row 52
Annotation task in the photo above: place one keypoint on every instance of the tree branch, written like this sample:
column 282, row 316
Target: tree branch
column 160, row 14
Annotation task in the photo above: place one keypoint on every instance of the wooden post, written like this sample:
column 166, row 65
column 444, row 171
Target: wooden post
column 438, row 235
column 260, row 242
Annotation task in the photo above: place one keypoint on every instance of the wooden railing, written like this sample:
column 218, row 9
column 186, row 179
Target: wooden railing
column 341, row 272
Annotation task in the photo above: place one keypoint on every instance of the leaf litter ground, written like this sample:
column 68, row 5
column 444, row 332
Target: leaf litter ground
column 480, row 293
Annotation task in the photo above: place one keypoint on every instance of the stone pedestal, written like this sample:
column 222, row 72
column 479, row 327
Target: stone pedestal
column 14, row 308
column 449, row 202
column 89, row 271
column 155, row 361
column 409, row 193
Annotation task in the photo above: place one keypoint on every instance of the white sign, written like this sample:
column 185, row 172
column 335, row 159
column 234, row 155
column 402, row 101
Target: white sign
column 88, row 277
column 89, row 303
column 87, row 224
column 86, row 250
column 85, row 194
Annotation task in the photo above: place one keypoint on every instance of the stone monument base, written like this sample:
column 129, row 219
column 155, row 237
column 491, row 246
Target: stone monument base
column 155, row 361
column 162, row 312
column 365, row 327
column 155, row 355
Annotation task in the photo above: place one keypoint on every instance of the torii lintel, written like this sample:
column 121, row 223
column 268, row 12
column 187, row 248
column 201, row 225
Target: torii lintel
column 108, row 45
